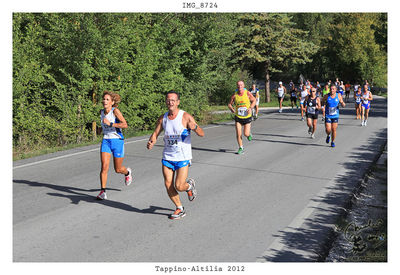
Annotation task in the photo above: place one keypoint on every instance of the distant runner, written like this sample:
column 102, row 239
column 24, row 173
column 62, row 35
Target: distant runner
column 256, row 93
column 325, row 91
column 244, row 101
column 365, row 105
column 313, row 104
column 293, row 96
column 331, row 102
column 303, row 94
column 357, row 98
column 281, row 90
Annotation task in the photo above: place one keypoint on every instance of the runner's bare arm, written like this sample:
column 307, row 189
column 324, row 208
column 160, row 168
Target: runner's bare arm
column 192, row 125
column 318, row 103
column 341, row 100
column 122, row 122
column 157, row 131
column 230, row 104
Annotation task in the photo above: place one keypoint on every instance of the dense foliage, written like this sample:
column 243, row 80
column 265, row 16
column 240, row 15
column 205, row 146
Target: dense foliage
column 62, row 62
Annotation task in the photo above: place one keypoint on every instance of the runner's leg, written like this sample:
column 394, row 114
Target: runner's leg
column 105, row 165
column 238, row 127
column 246, row 129
column 168, row 174
column 334, row 127
column 118, row 167
column 180, row 179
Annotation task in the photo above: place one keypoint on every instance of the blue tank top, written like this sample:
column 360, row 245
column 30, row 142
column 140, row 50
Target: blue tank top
column 358, row 98
column 331, row 107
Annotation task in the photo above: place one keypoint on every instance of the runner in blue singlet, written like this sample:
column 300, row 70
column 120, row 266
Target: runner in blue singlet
column 357, row 98
column 331, row 102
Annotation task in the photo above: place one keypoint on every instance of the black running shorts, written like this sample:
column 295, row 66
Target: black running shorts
column 243, row 121
column 312, row 116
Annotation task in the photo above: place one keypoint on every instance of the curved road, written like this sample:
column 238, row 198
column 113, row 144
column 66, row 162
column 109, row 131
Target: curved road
column 277, row 202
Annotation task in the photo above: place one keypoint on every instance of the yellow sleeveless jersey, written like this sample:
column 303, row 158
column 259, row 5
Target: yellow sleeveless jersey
column 242, row 103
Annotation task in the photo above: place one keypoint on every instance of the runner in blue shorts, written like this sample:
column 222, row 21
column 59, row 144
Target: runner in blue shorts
column 177, row 153
column 365, row 105
column 331, row 102
column 112, row 121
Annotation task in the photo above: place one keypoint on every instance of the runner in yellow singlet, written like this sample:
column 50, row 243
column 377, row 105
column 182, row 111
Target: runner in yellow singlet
column 244, row 101
column 325, row 91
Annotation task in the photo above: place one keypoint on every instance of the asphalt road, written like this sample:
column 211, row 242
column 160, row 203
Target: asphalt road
column 276, row 202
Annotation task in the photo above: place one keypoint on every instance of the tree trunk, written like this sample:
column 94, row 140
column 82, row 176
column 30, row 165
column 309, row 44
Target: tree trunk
column 267, row 82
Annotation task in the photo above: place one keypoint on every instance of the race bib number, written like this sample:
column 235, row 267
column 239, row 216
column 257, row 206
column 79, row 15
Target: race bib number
column 172, row 142
column 358, row 100
column 365, row 101
column 242, row 111
column 332, row 111
column 311, row 110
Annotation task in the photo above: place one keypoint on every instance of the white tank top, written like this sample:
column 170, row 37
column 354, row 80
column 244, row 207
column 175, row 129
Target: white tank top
column 280, row 91
column 303, row 95
column 177, row 143
column 365, row 98
column 110, row 132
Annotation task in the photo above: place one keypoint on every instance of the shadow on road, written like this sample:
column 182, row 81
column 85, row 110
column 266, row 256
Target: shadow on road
column 77, row 195
column 314, row 237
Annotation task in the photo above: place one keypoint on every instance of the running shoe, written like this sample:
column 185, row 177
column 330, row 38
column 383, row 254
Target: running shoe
column 333, row 144
column 102, row 195
column 240, row 151
column 328, row 138
column 323, row 119
column 192, row 192
column 362, row 122
column 128, row 178
column 312, row 136
column 309, row 130
column 256, row 116
column 249, row 138
column 177, row 214
column 302, row 118
column 365, row 123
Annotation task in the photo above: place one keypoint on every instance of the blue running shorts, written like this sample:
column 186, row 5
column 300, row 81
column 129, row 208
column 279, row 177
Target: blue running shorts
column 175, row 165
column 366, row 106
column 113, row 146
column 331, row 120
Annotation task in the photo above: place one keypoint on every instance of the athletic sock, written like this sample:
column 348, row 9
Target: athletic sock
column 180, row 207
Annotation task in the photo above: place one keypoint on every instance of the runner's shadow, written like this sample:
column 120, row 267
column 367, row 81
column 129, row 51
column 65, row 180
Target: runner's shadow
column 284, row 136
column 221, row 150
column 76, row 196
column 290, row 142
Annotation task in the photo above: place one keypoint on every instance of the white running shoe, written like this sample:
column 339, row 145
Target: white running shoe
column 128, row 178
column 192, row 192
column 312, row 136
column 102, row 195
column 365, row 123
column 362, row 122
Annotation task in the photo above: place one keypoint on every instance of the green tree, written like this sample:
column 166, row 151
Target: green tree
column 273, row 41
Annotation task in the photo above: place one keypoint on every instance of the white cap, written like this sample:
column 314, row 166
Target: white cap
column 280, row 82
